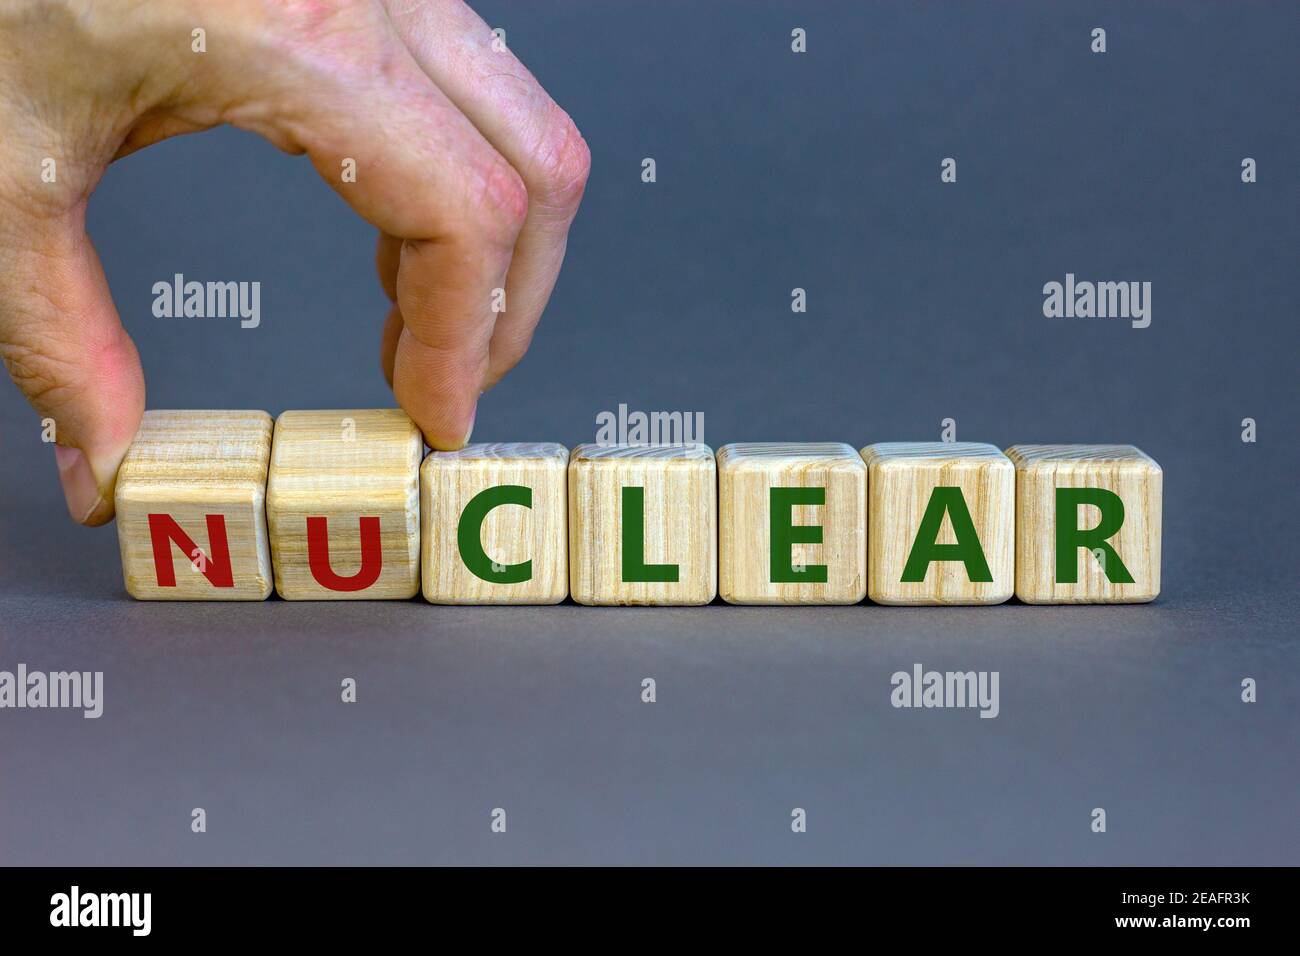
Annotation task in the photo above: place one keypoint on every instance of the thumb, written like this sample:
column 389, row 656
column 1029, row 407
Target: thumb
column 64, row 346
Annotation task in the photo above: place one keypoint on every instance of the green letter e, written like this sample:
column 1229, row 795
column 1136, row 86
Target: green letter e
column 783, row 534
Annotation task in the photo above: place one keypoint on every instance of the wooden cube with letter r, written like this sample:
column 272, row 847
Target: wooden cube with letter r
column 495, row 524
column 643, row 524
column 793, row 523
column 343, row 504
column 942, row 523
column 191, row 507
column 1087, row 524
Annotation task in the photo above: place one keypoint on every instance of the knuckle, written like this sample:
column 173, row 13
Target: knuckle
column 563, row 163
column 502, row 203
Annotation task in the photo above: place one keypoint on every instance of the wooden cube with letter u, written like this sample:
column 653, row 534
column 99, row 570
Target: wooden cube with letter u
column 1087, row 524
column 191, row 507
column 495, row 524
column 643, row 524
column 943, row 523
column 343, row 504
column 793, row 523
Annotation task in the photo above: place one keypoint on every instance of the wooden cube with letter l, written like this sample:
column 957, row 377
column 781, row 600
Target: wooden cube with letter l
column 495, row 524
column 343, row 504
column 1087, row 524
column 793, row 523
column 191, row 507
column 942, row 523
column 643, row 524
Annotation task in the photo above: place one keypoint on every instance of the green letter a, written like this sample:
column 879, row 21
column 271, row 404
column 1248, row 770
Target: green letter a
column 926, row 547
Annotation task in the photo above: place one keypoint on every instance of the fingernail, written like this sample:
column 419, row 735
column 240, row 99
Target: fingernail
column 470, row 431
column 80, row 489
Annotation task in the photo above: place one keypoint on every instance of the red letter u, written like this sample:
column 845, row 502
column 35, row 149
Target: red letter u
column 318, row 556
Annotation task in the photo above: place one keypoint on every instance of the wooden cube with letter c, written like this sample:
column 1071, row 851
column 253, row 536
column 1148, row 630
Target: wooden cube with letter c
column 191, row 507
column 495, row 524
column 343, row 504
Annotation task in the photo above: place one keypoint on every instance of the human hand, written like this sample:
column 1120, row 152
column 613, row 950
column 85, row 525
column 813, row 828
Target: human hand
column 468, row 168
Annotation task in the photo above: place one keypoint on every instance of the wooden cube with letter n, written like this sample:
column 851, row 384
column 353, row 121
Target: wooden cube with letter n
column 191, row 507
column 495, row 524
column 643, row 524
column 1087, row 524
column 793, row 523
column 942, row 523
column 343, row 504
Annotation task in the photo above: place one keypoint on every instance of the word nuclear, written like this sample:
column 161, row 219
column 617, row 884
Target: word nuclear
column 228, row 505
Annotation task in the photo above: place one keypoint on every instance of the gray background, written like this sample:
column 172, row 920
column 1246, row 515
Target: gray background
column 775, row 170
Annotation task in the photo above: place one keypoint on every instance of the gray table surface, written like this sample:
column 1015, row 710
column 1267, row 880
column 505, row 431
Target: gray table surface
column 775, row 170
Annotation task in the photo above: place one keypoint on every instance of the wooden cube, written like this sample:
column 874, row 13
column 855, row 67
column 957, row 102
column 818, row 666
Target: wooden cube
column 793, row 523
column 1087, row 524
column 191, row 507
column 495, row 524
column 343, row 504
column 942, row 523
column 643, row 524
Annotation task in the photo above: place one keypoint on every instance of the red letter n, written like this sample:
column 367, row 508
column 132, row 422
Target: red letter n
column 163, row 530
column 318, row 556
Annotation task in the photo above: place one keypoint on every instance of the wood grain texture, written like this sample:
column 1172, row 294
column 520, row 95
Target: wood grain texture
column 345, row 465
column 903, row 476
column 510, row 534
column 747, row 472
column 680, row 526
column 191, row 464
column 1122, row 469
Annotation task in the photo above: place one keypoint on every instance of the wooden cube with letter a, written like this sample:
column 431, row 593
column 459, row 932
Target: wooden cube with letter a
column 793, row 523
column 191, row 507
column 495, row 524
column 942, row 523
column 643, row 524
column 1087, row 524
column 343, row 504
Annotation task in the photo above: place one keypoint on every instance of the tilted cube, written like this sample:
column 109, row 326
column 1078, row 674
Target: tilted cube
column 343, row 504
column 191, row 507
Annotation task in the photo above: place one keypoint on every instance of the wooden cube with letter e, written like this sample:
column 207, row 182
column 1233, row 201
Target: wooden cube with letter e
column 793, row 523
